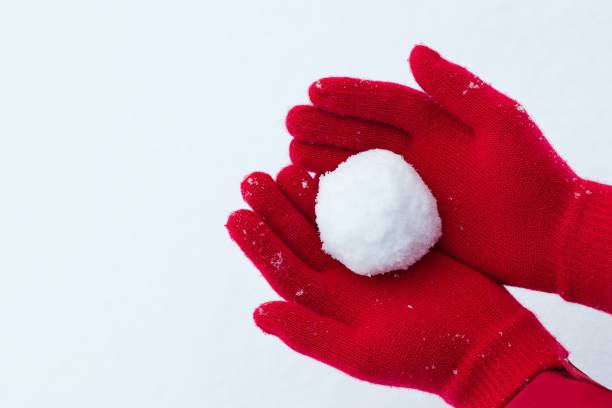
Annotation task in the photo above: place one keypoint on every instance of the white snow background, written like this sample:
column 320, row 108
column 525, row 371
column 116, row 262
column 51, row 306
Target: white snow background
column 125, row 130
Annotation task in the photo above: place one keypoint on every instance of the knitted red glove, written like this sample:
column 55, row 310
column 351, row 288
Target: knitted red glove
column 510, row 206
column 439, row 327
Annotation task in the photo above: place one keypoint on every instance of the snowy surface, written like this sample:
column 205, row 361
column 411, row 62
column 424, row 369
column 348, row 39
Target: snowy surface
column 126, row 129
column 375, row 214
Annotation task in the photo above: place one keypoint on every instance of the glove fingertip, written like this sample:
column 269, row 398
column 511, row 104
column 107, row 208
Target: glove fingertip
column 421, row 60
column 292, row 174
column 238, row 223
column 319, row 88
column 253, row 183
column 265, row 317
column 325, row 92
column 295, row 118
column 421, row 52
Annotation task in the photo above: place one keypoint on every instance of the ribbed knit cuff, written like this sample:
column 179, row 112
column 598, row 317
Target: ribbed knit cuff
column 584, row 248
column 503, row 362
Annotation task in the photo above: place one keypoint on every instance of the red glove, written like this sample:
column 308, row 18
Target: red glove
column 439, row 327
column 511, row 207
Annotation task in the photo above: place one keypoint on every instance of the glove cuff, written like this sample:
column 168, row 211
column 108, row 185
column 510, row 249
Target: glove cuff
column 583, row 255
column 503, row 362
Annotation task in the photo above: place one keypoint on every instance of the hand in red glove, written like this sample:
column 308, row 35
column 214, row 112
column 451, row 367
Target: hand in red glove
column 510, row 206
column 439, row 326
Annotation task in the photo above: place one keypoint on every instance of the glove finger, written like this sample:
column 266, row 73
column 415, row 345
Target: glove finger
column 289, row 224
column 300, row 188
column 312, row 125
column 466, row 96
column 324, row 339
column 285, row 272
column 317, row 158
column 386, row 102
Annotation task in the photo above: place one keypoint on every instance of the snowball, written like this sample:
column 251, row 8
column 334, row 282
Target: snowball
column 375, row 214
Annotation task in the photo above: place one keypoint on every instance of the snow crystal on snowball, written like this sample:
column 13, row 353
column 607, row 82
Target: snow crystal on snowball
column 375, row 214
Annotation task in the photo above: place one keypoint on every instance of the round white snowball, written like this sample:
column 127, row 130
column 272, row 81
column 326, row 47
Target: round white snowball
column 375, row 214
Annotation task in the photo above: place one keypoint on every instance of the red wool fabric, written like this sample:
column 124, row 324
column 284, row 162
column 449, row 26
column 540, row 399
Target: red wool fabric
column 559, row 390
column 439, row 327
column 511, row 207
